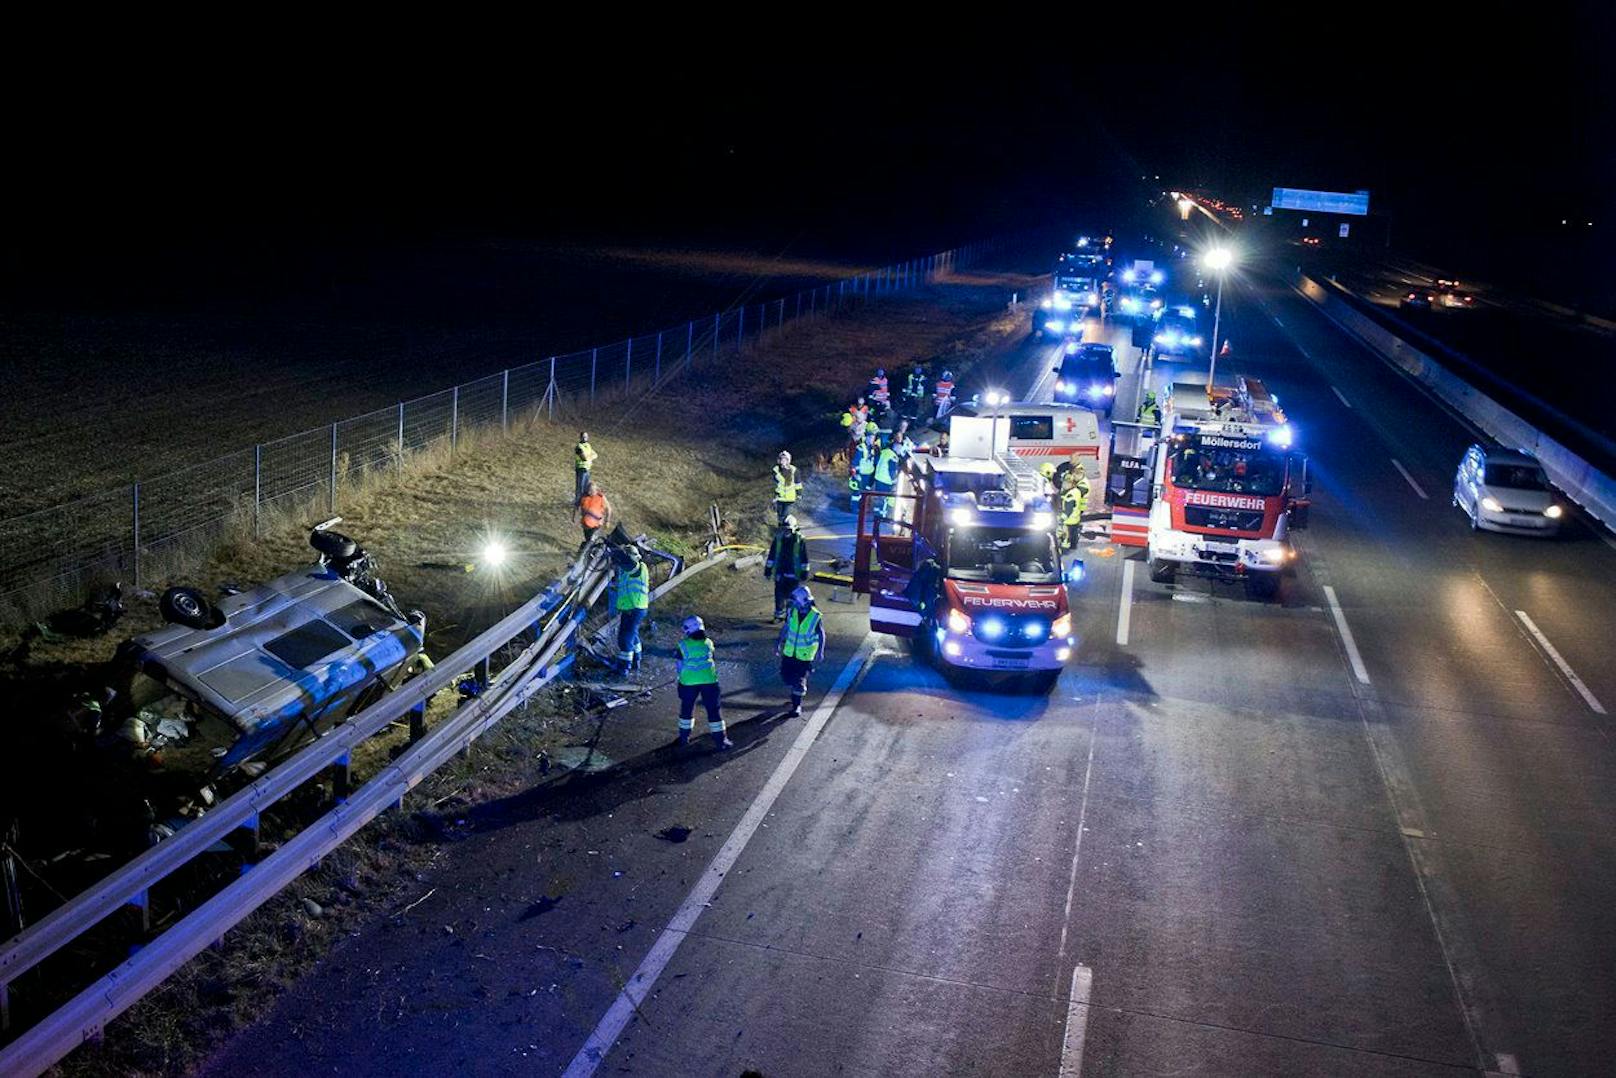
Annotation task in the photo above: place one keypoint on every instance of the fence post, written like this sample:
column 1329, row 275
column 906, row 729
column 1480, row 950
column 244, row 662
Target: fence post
column 550, row 390
column 454, row 419
column 628, row 365
column 505, row 400
column 799, row 306
column 740, row 330
column 333, row 469
column 258, row 484
column 400, row 437
column 594, row 360
column 813, row 301
column 780, row 321
column 656, row 375
column 135, row 499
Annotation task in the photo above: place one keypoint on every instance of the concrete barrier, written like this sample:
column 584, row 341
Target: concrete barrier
column 1581, row 481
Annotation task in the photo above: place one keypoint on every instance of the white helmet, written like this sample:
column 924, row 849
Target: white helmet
column 785, row 457
column 791, row 521
column 802, row 596
column 694, row 624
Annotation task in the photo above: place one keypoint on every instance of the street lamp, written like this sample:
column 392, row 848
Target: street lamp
column 996, row 400
column 1218, row 259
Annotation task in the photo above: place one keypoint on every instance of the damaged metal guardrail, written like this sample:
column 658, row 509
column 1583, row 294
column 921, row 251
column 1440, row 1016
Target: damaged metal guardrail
column 557, row 612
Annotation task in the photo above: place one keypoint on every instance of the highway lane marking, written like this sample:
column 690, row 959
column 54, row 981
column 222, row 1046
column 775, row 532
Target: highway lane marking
column 639, row 986
column 1125, row 610
column 1082, row 822
column 1359, row 671
column 1417, row 488
column 1077, row 1023
column 1559, row 660
column 1339, row 397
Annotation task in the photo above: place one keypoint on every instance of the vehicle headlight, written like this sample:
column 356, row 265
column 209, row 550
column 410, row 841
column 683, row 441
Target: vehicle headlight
column 1129, row 303
column 962, row 517
column 1055, row 325
column 1063, row 303
column 1043, row 520
column 1275, row 554
column 1161, row 338
column 1193, row 341
column 1033, row 630
column 1108, row 389
column 1554, row 512
column 1091, row 298
column 958, row 622
column 1060, row 386
column 1062, row 625
column 1492, row 504
column 1046, row 305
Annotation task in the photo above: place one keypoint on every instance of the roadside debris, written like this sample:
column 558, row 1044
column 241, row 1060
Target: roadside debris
column 675, row 834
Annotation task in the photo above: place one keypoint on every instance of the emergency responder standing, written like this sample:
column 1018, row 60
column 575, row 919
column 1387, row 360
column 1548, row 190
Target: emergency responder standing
column 914, row 393
column 1149, row 410
column 855, row 419
column 861, row 469
column 1047, row 471
column 633, row 587
column 879, row 394
column 887, row 463
column 1074, row 499
column 786, row 486
column 902, row 444
column 698, row 680
column 593, row 512
column 943, row 396
column 801, row 646
column 787, row 563
column 583, row 459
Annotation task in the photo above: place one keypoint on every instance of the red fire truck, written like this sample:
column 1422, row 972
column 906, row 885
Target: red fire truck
column 963, row 558
column 1221, row 488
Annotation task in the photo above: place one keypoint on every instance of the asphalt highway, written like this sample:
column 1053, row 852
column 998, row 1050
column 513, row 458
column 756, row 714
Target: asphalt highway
column 1366, row 829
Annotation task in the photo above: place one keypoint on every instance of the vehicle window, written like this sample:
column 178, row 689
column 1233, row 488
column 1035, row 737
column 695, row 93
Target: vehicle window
column 1033, row 427
column 1227, row 470
column 1003, row 555
column 1516, row 477
column 359, row 618
column 307, row 644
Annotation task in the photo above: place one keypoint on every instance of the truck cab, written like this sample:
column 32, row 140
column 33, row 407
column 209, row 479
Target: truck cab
column 963, row 559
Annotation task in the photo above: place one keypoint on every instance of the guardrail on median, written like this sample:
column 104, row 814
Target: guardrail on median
column 562, row 608
column 1581, row 481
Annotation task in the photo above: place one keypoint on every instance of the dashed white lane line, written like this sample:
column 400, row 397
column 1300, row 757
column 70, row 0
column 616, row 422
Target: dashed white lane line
column 1077, row 1023
column 1341, row 398
column 639, row 986
column 1359, row 671
column 1417, row 488
column 1559, row 660
column 1125, row 609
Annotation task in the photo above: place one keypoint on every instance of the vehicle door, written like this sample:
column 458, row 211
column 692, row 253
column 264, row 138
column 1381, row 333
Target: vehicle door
column 884, row 561
column 1129, row 491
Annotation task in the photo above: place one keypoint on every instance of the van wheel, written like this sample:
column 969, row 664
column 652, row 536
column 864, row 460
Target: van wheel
column 1161, row 572
column 190, row 608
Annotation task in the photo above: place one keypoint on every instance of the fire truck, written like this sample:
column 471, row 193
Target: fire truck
column 963, row 559
column 1220, row 490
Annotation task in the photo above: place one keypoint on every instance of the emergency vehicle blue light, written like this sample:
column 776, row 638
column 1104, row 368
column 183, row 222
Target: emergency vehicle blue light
column 1281, row 436
column 990, row 628
column 1055, row 325
column 1034, row 630
column 1156, row 278
column 1075, row 573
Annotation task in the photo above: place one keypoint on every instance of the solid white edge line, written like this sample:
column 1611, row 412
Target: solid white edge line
column 1125, row 608
column 1342, row 399
column 1077, row 1023
column 1358, row 669
column 1417, row 488
column 639, row 986
column 1559, row 660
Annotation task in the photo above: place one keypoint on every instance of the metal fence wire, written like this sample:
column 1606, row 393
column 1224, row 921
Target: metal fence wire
column 50, row 558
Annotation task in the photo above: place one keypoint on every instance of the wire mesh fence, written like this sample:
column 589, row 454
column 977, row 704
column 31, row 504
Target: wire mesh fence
column 51, row 557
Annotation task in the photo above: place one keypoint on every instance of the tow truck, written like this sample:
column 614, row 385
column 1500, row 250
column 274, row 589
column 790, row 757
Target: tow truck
column 1225, row 487
column 962, row 558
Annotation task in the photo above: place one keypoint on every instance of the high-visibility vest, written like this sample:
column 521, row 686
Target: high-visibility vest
column 584, row 455
column 592, row 509
column 785, row 483
column 849, row 417
column 634, row 587
column 697, row 664
column 864, row 460
column 802, row 635
column 943, row 391
column 917, row 385
column 886, row 468
column 1072, row 506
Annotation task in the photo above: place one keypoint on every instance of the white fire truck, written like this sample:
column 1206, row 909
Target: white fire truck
column 963, row 558
column 1221, row 488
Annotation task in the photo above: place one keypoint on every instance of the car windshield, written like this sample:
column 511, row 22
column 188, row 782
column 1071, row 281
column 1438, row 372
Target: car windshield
column 1229, row 470
column 1003, row 556
column 1177, row 324
column 1080, row 368
column 1516, row 477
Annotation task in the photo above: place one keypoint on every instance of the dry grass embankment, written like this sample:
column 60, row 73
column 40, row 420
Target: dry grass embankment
column 708, row 438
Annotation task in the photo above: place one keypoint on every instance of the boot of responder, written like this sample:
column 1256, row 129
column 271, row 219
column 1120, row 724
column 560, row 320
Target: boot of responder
column 722, row 742
column 796, row 707
column 684, row 738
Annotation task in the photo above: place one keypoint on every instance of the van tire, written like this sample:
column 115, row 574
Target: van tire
column 1161, row 572
column 190, row 608
column 1263, row 586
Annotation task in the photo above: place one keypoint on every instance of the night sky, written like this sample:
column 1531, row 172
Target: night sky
column 1455, row 121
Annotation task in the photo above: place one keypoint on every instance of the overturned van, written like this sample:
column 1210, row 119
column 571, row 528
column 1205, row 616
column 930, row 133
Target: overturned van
column 270, row 667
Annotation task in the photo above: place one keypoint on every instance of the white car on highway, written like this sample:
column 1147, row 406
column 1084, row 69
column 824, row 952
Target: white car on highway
column 1506, row 491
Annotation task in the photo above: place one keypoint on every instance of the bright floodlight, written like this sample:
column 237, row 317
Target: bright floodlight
column 996, row 398
column 1219, row 259
column 495, row 553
